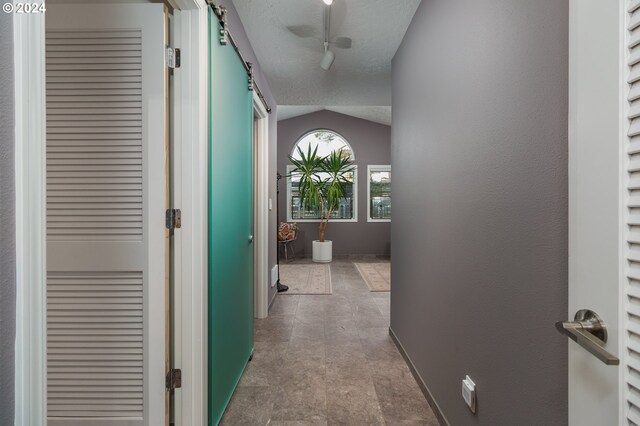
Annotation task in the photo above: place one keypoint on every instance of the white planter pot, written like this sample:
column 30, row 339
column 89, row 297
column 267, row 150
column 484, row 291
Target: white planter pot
column 322, row 252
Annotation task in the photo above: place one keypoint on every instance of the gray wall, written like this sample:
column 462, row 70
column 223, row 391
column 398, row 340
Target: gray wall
column 7, row 223
column 371, row 144
column 479, row 154
column 240, row 36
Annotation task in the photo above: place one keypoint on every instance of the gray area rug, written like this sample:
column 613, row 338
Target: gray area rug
column 306, row 279
column 376, row 275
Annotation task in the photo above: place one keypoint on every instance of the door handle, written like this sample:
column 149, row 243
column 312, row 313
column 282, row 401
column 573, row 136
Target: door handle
column 250, row 239
column 589, row 331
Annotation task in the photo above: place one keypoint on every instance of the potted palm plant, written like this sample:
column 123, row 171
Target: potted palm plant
column 322, row 186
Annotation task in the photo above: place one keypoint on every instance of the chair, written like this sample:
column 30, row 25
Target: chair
column 287, row 234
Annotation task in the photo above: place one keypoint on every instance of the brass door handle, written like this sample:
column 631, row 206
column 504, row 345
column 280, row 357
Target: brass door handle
column 589, row 331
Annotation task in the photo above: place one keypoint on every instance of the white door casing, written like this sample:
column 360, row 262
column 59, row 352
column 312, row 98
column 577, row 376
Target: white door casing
column 261, row 208
column 30, row 363
column 105, row 214
column 594, row 202
column 190, row 166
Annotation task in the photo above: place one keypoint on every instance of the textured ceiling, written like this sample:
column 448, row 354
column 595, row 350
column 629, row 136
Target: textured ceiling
column 378, row 114
column 290, row 111
column 359, row 76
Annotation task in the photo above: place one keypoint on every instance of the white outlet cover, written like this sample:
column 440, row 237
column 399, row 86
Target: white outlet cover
column 469, row 393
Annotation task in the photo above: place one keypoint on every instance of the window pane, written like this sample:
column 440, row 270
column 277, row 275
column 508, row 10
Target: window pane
column 380, row 191
column 325, row 141
column 344, row 210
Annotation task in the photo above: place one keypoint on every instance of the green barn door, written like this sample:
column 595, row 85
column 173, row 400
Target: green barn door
column 230, row 222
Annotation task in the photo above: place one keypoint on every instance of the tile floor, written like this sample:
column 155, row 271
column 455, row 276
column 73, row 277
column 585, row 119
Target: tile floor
column 328, row 360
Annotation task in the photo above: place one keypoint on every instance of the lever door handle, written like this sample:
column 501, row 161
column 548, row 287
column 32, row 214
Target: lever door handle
column 589, row 331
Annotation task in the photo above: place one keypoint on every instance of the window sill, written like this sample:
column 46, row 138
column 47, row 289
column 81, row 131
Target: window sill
column 318, row 220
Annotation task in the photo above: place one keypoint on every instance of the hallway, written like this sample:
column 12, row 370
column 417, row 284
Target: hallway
column 158, row 157
column 328, row 360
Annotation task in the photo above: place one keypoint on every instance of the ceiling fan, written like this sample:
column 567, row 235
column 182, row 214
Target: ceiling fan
column 309, row 31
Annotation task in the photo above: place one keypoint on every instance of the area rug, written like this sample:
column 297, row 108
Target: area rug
column 376, row 275
column 306, row 279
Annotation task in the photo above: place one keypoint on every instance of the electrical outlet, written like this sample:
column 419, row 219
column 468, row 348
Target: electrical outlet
column 469, row 393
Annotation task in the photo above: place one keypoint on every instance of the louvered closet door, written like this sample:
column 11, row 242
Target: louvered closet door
column 105, row 87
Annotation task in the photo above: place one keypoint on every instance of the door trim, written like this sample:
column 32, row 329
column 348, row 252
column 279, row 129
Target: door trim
column 190, row 194
column 30, row 134
column 30, row 142
column 261, row 210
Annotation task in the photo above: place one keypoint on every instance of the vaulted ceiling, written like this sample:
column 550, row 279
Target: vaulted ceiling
column 360, row 76
column 378, row 114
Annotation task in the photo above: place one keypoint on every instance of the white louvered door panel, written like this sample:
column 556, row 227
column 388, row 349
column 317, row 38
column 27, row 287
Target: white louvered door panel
column 94, row 135
column 631, row 361
column 105, row 87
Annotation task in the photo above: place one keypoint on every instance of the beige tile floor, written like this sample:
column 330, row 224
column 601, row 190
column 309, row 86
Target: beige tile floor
column 328, row 360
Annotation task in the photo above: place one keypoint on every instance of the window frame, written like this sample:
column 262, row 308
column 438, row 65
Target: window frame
column 375, row 168
column 305, row 134
column 355, row 180
column 290, row 167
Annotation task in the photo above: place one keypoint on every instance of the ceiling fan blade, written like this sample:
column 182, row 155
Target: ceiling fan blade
column 304, row 31
column 343, row 42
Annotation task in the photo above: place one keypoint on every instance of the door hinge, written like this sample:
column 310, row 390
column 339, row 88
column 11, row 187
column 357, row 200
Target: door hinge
column 173, row 57
column 173, row 219
column 174, row 379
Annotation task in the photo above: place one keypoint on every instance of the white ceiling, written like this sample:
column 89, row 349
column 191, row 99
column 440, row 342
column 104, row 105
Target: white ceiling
column 378, row 114
column 360, row 76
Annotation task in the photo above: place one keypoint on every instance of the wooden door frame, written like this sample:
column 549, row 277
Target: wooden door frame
column 190, row 189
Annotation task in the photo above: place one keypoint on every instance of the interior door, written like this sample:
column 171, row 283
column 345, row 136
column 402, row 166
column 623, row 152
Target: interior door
column 594, row 204
column 106, row 180
column 230, row 223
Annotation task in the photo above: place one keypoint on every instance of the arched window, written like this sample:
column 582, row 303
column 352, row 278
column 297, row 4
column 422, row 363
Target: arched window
column 326, row 141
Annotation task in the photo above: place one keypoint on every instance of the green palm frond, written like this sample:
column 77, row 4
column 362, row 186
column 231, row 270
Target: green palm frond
column 317, row 192
column 307, row 168
column 339, row 168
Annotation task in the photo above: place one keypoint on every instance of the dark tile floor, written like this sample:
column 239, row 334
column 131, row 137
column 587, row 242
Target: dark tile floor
column 328, row 360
